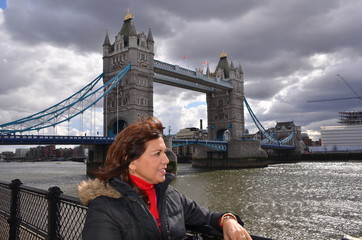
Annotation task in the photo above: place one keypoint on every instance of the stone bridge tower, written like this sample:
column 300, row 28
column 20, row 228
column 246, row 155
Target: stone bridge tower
column 226, row 107
column 133, row 97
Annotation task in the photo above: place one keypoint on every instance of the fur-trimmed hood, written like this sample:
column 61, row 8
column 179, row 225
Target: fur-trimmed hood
column 90, row 189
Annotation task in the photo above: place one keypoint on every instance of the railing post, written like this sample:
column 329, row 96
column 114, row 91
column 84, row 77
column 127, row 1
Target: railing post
column 53, row 213
column 13, row 219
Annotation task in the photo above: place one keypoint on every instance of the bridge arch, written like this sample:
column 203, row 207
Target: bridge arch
column 117, row 127
column 220, row 135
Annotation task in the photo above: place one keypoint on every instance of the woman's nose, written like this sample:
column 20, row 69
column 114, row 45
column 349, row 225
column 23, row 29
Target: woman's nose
column 165, row 159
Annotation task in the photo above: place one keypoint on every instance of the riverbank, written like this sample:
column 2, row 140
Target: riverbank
column 335, row 156
column 321, row 157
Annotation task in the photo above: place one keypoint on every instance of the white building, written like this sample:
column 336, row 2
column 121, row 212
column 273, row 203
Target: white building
column 344, row 137
column 21, row 152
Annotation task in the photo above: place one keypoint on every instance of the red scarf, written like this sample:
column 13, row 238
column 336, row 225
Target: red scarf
column 150, row 191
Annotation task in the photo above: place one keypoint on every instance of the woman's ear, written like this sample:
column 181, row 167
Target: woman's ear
column 132, row 167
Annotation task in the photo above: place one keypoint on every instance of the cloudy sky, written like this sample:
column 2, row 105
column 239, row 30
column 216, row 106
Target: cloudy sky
column 290, row 51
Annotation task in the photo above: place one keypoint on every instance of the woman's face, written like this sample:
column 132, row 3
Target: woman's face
column 151, row 165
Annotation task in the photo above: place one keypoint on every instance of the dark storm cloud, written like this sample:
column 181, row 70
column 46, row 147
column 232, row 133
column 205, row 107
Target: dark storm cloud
column 290, row 51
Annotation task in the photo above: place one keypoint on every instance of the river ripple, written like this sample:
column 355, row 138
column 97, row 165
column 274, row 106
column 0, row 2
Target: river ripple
column 307, row 200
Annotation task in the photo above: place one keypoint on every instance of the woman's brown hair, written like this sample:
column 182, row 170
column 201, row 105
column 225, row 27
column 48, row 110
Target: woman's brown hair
column 129, row 145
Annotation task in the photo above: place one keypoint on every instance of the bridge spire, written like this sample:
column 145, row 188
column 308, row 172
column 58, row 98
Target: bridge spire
column 232, row 66
column 149, row 35
column 128, row 16
column 106, row 40
column 223, row 65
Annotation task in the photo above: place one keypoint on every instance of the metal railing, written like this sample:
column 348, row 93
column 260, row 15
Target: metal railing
column 31, row 214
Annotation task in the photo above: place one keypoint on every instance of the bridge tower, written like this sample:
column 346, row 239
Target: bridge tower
column 226, row 107
column 133, row 97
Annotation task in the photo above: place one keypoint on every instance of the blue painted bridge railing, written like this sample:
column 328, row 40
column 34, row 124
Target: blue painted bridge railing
column 51, row 139
column 277, row 146
column 210, row 145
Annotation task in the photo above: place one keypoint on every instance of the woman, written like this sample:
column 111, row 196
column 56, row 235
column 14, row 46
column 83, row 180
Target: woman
column 130, row 198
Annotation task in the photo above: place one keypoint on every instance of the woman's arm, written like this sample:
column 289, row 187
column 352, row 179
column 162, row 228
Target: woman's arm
column 232, row 230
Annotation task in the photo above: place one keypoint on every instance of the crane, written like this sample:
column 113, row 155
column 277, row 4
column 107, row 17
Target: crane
column 345, row 98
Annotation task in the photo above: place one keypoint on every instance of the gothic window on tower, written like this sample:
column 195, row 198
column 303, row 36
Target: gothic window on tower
column 142, row 56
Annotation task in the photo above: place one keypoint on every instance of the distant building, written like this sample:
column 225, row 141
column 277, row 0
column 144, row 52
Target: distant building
column 7, row 155
column 184, row 153
column 20, row 153
column 342, row 135
column 350, row 118
column 308, row 141
column 282, row 130
column 347, row 136
column 191, row 133
column 41, row 153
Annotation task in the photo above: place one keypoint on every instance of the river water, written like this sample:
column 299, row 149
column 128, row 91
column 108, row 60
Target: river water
column 298, row 201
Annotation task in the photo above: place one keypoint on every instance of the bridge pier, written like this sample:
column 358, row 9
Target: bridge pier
column 96, row 157
column 240, row 154
column 283, row 155
column 172, row 165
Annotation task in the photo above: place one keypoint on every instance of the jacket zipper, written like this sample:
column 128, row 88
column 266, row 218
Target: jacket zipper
column 150, row 216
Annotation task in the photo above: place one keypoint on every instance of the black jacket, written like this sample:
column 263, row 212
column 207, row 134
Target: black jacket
column 116, row 212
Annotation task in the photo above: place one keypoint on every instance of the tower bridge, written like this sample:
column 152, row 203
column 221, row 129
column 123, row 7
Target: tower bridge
column 129, row 71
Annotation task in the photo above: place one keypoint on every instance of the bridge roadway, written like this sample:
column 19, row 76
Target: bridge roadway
column 210, row 145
